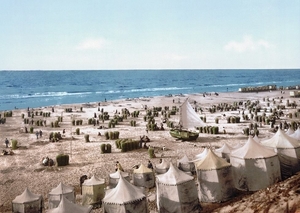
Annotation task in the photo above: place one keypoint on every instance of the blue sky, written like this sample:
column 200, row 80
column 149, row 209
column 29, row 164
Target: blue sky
column 163, row 34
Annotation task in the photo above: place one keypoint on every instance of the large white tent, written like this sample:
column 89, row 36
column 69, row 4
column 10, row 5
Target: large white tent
column 202, row 154
column 254, row 166
column 214, row 177
column 288, row 149
column 224, row 151
column 66, row 205
column 296, row 134
column 58, row 192
column 184, row 164
column 289, row 131
column 125, row 197
column 28, row 202
column 114, row 177
column 162, row 167
column 143, row 177
column 93, row 191
column 176, row 192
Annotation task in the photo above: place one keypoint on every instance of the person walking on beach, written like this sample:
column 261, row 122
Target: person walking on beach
column 6, row 142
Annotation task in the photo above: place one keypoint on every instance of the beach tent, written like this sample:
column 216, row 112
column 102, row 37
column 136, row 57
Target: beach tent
column 288, row 149
column 224, row 151
column 256, row 138
column 28, row 202
column 254, row 166
column 162, row 167
column 184, row 164
column 289, row 131
column 143, row 177
column 202, row 154
column 125, row 197
column 296, row 134
column 176, row 191
column 215, row 180
column 114, row 177
column 93, row 191
column 66, row 205
column 58, row 192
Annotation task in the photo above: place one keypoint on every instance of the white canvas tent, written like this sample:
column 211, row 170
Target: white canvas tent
column 184, row 164
column 28, row 202
column 58, row 192
column 214, row 175
column 93, row 191
column 66, row 205
column 288, row 150
column 256, row 138
column 176, row 192
column 143, row 177
column 162, row 167
column 114, row 178
column 296, row 134
column 200, row 155
column 189, row 119
column 224, row 151
column 125, row 197
column 254, row 166
column 289, row 131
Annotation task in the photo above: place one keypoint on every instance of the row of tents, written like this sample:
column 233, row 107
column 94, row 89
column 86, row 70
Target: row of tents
column 255, row 165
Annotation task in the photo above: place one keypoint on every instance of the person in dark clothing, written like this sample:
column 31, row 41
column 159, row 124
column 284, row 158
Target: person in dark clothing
column 82, row 179
column 150, row 166
column 6, row 142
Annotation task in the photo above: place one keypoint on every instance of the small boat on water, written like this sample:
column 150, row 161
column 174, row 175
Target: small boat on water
column 188, row 120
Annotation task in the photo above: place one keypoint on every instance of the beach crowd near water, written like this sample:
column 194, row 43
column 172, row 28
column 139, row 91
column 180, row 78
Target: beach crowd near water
column 30, row 141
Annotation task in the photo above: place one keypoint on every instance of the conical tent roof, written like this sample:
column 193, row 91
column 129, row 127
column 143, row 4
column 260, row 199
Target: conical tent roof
column 296, row 134
column 184, row 159
column 189, row 119
column 174, row 176
column 118, row 173
column 211, row 161
column 256, row 138
column 93, row 181
column 61, row 189
column 163, row 165
column 142, row 169
column 253, row 150
column 200, row 155
column 123, row 193
column 226, row 148
column 289, row 131
column 67, row 206
column 281, row 140
column 26, row 197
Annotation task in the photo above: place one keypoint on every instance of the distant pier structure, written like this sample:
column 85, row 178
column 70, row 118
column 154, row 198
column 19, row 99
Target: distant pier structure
column 258, row 88
column 294, row 90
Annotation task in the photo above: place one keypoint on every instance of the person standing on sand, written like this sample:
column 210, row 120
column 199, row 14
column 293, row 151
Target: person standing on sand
column 6, row 142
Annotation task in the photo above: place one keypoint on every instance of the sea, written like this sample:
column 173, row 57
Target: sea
column 41, row 88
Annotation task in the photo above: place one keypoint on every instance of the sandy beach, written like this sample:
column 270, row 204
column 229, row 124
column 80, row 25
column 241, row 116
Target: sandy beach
column 24, row 168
